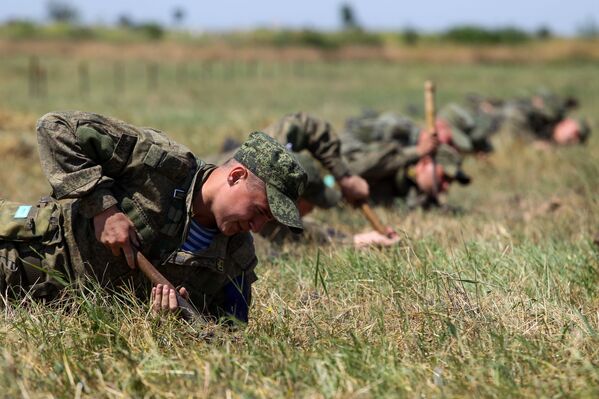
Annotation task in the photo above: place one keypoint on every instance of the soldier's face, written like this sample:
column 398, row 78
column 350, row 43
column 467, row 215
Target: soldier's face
column 566, row 132
column 443, row 131
column 426, row 180
column 241, row 205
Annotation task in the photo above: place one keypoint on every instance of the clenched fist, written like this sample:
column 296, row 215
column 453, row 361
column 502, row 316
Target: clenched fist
column 115, row 230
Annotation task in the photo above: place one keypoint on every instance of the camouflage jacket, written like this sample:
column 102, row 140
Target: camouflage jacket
column 94, row 162
column 537, row 115
column 371, row 126
column 301, row 131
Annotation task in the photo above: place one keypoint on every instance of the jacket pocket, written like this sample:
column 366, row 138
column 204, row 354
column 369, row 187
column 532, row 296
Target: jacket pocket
column 175, row 167
column 21, row 222
column 120, row 156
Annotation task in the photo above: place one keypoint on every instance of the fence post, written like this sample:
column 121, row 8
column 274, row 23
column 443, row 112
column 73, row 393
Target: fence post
column 152, row 72
column 119, row 77
column 84, row 85
column 34, row 83
column 181, row 73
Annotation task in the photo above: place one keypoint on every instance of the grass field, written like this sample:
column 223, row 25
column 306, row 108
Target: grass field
column 501, row 300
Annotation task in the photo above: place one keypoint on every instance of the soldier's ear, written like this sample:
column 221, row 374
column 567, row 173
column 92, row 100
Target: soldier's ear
column 237, row 174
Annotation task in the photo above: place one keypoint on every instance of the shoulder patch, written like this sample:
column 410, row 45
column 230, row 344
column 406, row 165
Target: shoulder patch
column 22, row 212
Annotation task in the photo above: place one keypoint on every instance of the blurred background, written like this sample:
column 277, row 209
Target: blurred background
column 205, row 71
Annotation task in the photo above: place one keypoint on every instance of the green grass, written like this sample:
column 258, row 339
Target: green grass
column 499, row 301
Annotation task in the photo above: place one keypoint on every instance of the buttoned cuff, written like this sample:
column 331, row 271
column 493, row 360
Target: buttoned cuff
column 339, row 170
column 96, row 202
column 411, row 155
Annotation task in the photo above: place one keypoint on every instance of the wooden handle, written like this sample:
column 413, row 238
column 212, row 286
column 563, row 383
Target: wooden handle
column 187, row 310
column 372, row 217
column 431, row 114
column 429, row 106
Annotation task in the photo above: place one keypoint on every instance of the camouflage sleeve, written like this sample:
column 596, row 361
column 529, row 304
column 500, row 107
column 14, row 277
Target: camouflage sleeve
column 76, row 160
column 302, row 131
column 380, row 160
column 409, row 155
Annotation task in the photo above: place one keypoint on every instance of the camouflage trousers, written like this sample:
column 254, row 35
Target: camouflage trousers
column 33, row 256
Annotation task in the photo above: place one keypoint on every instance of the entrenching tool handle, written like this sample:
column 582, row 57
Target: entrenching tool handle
column 431, row 114
column 429, row 106
column 374, row 220
column 187, row 310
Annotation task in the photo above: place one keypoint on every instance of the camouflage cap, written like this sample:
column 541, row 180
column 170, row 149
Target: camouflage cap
column 461, row 140
column 451, row 161
column 584, row 129
column 462, row 124
column 284, row 177
column 317, row 190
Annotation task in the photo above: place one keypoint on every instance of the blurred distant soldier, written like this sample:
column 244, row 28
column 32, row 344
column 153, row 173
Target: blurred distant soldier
column 320, row 192
column 394, row 171
column 118, row 188
column 318, row 149
column 392, row 166
column 544, row 117
column 469, row 133
column 375, row 162
column 301, row 132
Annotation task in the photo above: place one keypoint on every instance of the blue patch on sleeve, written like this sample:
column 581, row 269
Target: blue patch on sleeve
column 329, row 181
column 22, row 211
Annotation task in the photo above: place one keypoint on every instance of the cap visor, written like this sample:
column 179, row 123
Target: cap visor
column 284, row 209
column 461, row 140
column 462, row 178
column 326, row 198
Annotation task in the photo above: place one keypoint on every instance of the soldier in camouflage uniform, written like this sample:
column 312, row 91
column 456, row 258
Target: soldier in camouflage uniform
column 393, row 171
column 394, row 148
column 304, row 133
column 318, row 149
column 466, row 131
column 544, row 117
column 118, row 186
column 394, row 160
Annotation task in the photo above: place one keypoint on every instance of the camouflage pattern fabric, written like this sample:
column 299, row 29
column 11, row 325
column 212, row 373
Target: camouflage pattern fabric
column 371, row 126
column 585, row 129
column 470, row 132
column 301, row 131
column 93, row 162
column 320, row 189
column 388, row 167
column 31, row 245
column 284, row 177
column 310, row 139
column 537, row 115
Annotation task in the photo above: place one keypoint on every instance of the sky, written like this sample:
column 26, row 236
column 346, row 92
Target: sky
column 563, row 17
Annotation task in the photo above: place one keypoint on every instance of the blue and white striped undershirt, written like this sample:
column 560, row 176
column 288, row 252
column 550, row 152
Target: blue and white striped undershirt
column 198, row 238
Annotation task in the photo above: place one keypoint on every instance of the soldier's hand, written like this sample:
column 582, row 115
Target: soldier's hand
column 389, row 232
column 115, row 230
column 374, row 238
column 427, row 143
column 164, row 299
column 354, row 188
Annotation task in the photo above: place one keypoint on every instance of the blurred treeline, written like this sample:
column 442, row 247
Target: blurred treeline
column 63, row 22
column 152, row 31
